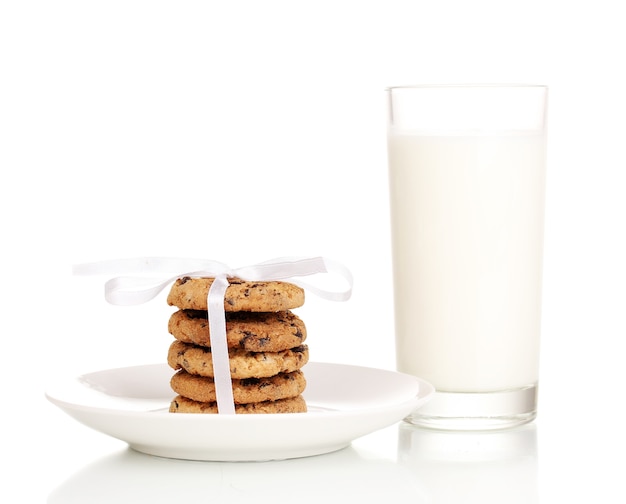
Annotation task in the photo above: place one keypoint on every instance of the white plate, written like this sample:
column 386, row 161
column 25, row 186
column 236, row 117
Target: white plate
column 345, row 402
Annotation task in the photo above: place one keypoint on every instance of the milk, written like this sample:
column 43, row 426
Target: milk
column 467, row 275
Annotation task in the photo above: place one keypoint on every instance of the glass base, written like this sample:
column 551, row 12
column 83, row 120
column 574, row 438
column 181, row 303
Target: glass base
column 477, row 410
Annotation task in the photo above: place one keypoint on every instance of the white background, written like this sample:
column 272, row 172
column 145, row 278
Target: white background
column 245, row 130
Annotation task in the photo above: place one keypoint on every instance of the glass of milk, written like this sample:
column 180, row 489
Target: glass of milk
column 467, row 178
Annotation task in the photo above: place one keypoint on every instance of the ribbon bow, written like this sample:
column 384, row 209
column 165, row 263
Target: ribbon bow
column 134, row 290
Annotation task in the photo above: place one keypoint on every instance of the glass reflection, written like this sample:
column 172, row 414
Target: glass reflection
column 472, row 467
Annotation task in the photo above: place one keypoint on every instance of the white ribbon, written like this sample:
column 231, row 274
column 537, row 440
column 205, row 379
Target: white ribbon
column 134, row 290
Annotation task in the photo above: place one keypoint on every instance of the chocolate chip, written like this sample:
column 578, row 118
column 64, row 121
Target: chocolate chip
column 195, row 314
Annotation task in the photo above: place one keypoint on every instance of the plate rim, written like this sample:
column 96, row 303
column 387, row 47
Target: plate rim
column 422, row 384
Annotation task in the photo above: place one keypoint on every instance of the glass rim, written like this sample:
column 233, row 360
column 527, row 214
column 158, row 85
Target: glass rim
column 467, row 86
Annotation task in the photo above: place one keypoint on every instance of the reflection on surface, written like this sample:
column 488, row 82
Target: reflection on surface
column 488, row 467
column 129, row 476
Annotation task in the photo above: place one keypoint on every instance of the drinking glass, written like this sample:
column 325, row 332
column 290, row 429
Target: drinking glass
column 467, row 178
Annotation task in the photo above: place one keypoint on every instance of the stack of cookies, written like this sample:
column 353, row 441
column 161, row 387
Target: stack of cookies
column 265, row 346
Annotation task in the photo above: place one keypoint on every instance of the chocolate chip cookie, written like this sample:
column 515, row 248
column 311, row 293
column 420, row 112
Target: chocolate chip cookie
column 248, row 390
column 243, row 364
column 191, row 294
column 255, row 332
column 182, row 404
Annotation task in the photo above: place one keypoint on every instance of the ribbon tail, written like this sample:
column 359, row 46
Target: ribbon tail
column 219, row 346
column 330, row 267
column 341, row 270
column 127, row 291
